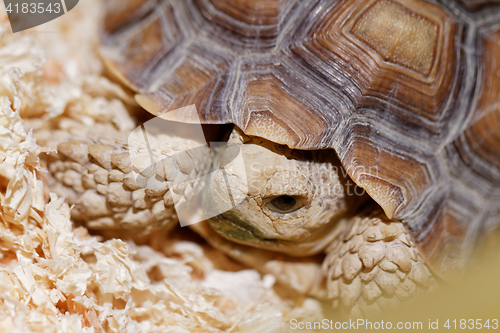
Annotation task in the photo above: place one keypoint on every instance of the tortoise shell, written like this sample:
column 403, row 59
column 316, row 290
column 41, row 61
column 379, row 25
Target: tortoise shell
column 405, row 91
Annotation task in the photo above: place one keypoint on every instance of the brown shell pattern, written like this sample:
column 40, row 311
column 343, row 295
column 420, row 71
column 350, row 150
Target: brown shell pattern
column 406, row 92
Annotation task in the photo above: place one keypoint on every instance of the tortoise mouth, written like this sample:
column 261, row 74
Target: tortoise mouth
column 240, row 231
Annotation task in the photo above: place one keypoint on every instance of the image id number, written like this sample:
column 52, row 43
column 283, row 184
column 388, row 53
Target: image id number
column 471, row 324
column 33, row 8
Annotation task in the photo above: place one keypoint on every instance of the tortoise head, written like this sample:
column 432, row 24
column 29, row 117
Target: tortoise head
column 294, row 201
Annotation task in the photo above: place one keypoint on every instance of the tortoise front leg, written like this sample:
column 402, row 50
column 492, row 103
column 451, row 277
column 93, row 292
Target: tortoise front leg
column 118, row 189
column 374, row 265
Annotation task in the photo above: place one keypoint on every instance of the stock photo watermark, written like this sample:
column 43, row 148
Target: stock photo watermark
column 365, row 324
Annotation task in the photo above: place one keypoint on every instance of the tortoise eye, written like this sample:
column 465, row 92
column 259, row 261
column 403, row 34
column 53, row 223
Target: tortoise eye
column 284, row 204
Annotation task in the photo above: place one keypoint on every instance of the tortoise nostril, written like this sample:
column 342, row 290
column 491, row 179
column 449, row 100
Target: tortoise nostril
column 284, row 204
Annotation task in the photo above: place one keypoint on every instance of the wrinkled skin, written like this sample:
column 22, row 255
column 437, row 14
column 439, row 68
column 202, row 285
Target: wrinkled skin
column 294, row 198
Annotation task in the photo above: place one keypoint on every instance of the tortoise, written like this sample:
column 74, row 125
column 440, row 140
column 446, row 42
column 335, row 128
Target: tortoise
column 329, row 99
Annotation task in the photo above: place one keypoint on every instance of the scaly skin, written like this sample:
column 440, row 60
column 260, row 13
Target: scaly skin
column 374, row 265
column 371, row 262
column 93, row 170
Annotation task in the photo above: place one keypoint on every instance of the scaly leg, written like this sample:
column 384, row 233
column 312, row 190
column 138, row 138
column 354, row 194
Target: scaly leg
column 114, row 190
column 374, row 265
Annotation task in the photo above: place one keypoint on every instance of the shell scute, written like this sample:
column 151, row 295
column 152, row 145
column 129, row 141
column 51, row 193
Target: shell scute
column 136, row 48
column 193, row 89
column 246, row 24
